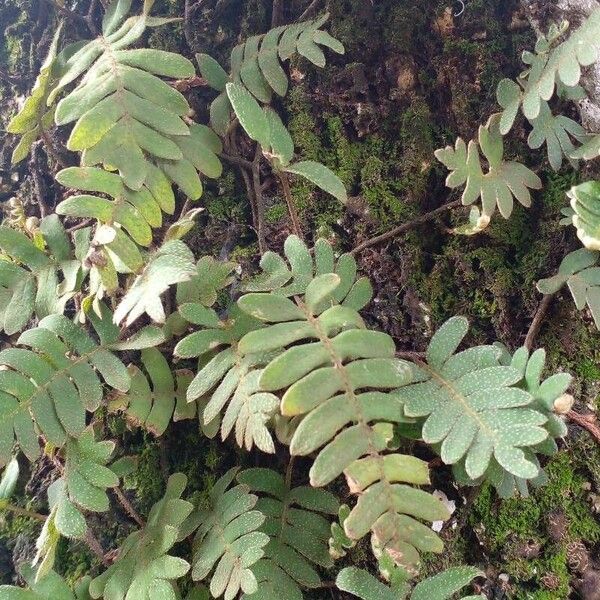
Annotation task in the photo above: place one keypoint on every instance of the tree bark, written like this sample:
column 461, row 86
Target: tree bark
column 541, row 13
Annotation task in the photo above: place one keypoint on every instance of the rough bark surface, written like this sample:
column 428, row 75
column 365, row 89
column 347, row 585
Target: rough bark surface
column 541, row 13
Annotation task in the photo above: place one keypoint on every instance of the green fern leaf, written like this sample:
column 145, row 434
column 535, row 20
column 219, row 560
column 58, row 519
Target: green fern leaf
column 52, row 384
column 126, row 117
column 363, row 585
column 37, row 115
column 554, row 132
column 321, row 176
column 504, row 180
column 144, row 569
column 298, row 534
column 256, row 66
column 152, row 406
column 585, row 202
column 51, row 587
column 471, row 408
column 562, row 64
column 210, row 278
column 589, row 150
column 329, row 368
column 444, row 585
column 34, row 281
column 228, row 539
column 83, row 485
column 291, row 280
column 579, row 270
column 171, row 264
column 227, row 379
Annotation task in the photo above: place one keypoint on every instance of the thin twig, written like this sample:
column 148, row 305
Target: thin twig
column 289, row 473
column 69, row 14
column 250, row 193
column 258, row 197
column 538, row 319
column 277, row 15
column 128, row 507
column 312, row 8
column 89, row 18
column 237, row 160
column 81, row 225
column 23, row 512
column 406, row 226
column 407, row 355
column 51, row 150
column 188, row 12
column 588, row 422
column 285, row 184
column 94, row 545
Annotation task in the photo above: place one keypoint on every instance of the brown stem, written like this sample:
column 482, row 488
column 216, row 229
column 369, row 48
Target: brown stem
column 406, row 226
column 588, row 422
column 94, row 545
column 236, row 160
column 250, row 193
column 86, row 223
column 128, row 507
column 277, row 16
column 188, row 12
column 312, row 8
column 23, row 512
column 408, row 355
column 285, row 184
column 69, row 14
column 538, row 319
column 289, row 473
column 89, row 18
column 51, row 149
column 258, row 197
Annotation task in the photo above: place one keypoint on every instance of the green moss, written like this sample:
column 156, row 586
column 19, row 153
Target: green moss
column 276, row 212
column 74, row 560
column 147, row 479
column 506, row 527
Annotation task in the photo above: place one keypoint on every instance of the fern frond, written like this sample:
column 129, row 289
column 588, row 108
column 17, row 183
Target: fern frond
column 292, row 278
column 83, row 484
column 126, row 117
column 580, row 271
column 298, row 534
column 34, row 281
column 172, row 263
column 585, row 202
column 52, row 383
column 152, row 405
column 503, row 181
column 555, row 132
column 51, row 585
column 210, row 278
column 471, row 407
column 341, row 376
column 256, row 64
column 226, row 378
column 37, row 115
column 264, row 126
column 144, row 569
column 442, row 586
column 560, row 65
column 228, row 539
